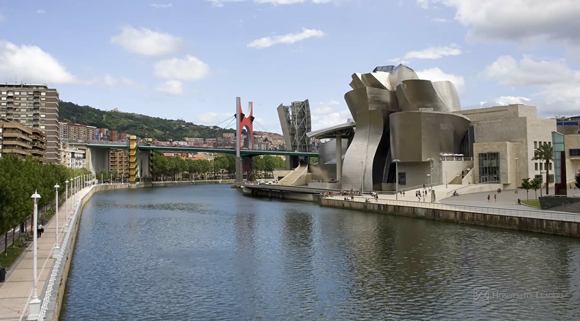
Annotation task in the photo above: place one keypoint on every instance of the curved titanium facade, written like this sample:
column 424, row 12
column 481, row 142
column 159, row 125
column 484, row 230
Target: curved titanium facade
column 398, row 116
column 430, row 134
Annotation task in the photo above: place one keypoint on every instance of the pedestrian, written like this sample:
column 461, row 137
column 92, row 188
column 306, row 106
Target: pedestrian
column 488, row 197
column 495, row 197
column 39, row 230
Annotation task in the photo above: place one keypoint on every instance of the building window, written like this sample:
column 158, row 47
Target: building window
column 536, row 166
column 550, row 166
column 541, row 166
column 403, row 178
column 574, row 152
column 489, row 170
column 535, row 144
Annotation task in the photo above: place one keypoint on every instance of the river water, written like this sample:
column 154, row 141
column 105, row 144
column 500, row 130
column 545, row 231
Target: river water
column 210, row 253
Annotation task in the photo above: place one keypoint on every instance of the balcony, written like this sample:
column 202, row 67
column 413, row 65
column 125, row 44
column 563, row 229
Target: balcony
column 12, row 134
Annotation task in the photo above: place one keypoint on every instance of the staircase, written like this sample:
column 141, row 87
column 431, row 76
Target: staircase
column 295, row 178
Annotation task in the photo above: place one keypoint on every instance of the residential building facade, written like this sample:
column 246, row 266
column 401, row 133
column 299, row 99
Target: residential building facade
column 21, row 140
column 34, row 106
column 77, row 132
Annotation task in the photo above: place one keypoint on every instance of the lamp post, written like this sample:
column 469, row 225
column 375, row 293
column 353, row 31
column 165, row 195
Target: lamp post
column 56, row 247
column 517, row 181
column 34, row 304
column 66, row 203
column 396, row 161
column 430, row 160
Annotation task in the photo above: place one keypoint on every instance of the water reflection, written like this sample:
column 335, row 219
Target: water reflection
column 206, row 252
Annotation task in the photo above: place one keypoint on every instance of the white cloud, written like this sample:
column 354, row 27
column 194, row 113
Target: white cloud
column 40, row 11
column 508, row 100
column 220, row 3
column 522, row 21
column 434, row 52
column 161, row 5
column 440, row 20
column 146, row 42
column 556, row 84
column 528, row 72
column 188, row 69
column 31, row 64
column 290, row 38
column 423, row 4
column 326, row 114
column 436, row 74
column 212, row 118
column 285, row 2
column 111, row 81
column 171, row 87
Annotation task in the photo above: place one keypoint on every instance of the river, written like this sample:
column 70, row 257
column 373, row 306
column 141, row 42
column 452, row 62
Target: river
column 210, row 253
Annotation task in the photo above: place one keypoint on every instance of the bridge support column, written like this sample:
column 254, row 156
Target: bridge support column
column 338, row 157
column 132, row 159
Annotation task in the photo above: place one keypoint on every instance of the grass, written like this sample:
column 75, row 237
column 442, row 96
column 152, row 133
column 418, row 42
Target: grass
column 534, row 203
column 13, row 251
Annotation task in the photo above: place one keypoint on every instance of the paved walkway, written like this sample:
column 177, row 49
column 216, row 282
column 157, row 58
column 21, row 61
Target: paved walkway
column 16, row 292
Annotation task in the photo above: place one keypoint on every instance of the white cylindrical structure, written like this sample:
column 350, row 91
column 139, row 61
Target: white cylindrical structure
column 34, row 304
column 56, row 247
column 66, row 203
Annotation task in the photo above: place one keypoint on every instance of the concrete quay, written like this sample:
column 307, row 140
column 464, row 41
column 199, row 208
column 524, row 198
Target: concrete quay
column 549, row 222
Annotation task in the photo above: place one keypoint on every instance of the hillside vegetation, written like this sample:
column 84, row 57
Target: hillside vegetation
column 136, row 124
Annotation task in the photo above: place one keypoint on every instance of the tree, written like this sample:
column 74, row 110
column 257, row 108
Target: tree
column 536, row 184
column 526, row 185
column 545, row 153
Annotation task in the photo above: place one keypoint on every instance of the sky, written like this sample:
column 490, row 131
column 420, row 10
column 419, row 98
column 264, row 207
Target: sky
column 191, row 59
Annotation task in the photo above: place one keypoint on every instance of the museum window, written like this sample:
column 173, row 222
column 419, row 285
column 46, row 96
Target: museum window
column 574, row 152
column 402, row 178
column 541, row 166
column 489, row 170
column 536, row 166
column 535, row 144
column 550, row 166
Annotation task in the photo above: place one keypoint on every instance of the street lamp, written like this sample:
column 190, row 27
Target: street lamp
column 430, row 160
column 396, row 161
column 34, row 304
column 66, row 203
column 517, row 181
column 56, row 247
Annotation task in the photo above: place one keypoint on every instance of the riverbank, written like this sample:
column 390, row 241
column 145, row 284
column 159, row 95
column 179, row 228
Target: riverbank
column 522, row 220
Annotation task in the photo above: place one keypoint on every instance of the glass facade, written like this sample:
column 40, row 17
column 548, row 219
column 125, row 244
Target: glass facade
column 489, row 171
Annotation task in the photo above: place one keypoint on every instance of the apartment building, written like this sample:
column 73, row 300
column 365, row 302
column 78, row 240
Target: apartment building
column 119, row 160
column 77, row 132
column 18, row 139
column 34, row 106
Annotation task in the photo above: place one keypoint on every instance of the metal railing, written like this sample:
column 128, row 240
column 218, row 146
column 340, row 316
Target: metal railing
column 537, row 214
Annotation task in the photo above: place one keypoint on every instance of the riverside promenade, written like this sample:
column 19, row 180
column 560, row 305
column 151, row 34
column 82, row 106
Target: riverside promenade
column 16, row 291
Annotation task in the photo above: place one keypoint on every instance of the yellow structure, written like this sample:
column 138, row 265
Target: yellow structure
column 132, row 159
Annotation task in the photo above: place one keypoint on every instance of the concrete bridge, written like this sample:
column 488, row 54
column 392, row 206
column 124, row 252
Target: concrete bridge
column 98, row 155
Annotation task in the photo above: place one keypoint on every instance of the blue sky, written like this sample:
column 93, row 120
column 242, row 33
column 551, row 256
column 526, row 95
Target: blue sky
column 190, row 59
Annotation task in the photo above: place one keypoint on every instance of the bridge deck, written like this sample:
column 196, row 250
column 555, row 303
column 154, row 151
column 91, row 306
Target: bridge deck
column 244, row 152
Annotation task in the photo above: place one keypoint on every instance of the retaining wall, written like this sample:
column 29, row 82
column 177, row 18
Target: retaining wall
column 492, row 220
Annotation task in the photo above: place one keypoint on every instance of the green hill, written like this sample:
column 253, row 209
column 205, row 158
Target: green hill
column 136, row 124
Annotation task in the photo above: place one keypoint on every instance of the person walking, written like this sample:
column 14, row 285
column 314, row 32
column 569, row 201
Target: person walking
column 488, row 197
column 495, row 197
